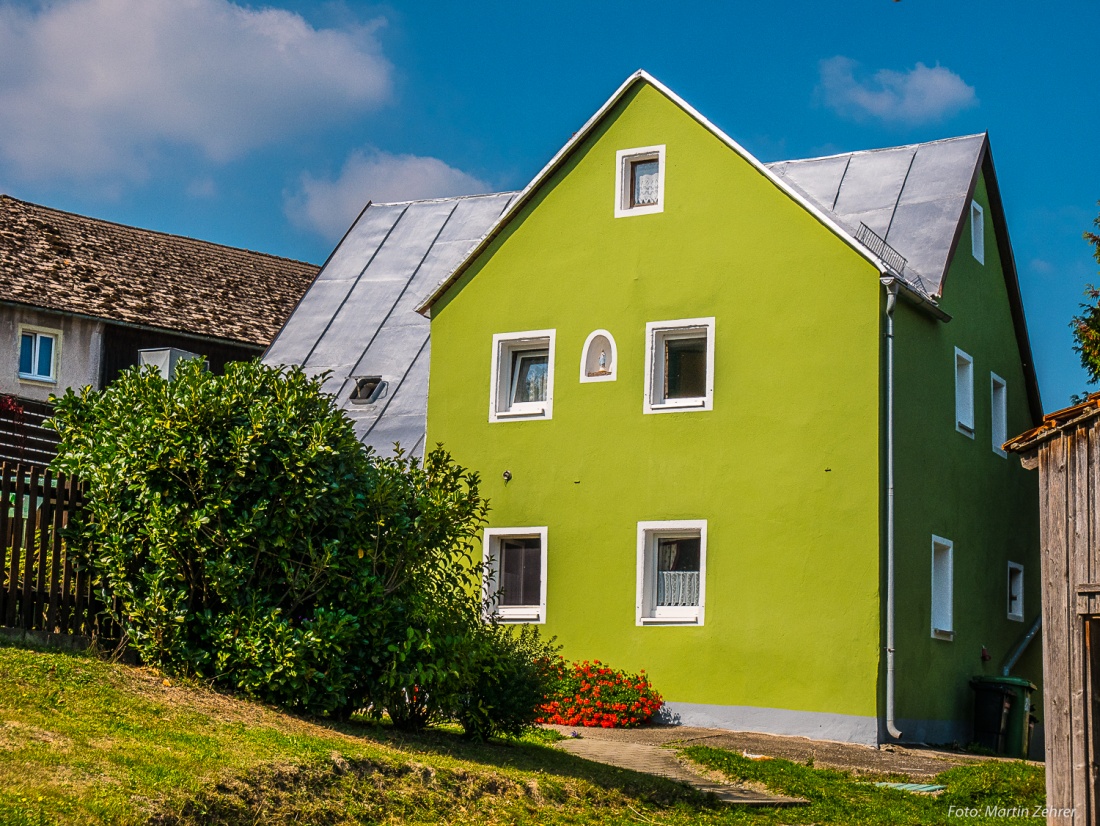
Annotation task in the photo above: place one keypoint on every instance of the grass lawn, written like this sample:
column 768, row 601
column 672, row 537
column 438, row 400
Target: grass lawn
column 83, row 741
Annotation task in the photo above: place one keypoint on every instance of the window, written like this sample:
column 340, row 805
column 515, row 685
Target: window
column 943, row 627
column 523, row 376
column 964, row 393
column 680, row 365
column 977, row 232
column 1015, row 592
column 640, row 181
column 999, row 399
column 366, row 389
column 38, row 354
column 672, row 569
column 515, row 565
column 598, row 357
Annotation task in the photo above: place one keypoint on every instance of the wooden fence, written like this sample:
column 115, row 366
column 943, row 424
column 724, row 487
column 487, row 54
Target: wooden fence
column 43, row 587
column 22, row 436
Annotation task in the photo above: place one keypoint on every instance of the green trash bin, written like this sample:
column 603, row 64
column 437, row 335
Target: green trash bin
column 1002, row 714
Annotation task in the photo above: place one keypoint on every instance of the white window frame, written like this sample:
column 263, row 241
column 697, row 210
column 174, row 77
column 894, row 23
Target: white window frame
column 624, row 158
column 1018, row 614
column 977, row 232
column 648, row 533
column 490, row 544
column 964, row 393
column 999, row 413
column 614, row 357
column 658, row 332
column 504, row 344
column 38, row 333
column 943, row 582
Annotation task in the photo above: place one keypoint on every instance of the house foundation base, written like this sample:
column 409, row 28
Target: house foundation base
column 816, row 725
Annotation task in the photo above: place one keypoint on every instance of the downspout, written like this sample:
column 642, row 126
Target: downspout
column 1021, row 646
column 891, row 300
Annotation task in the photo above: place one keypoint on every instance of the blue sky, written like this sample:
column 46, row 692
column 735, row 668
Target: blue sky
column 267, row 126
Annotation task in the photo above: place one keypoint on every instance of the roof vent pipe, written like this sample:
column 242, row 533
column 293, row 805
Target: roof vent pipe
column 891, row 300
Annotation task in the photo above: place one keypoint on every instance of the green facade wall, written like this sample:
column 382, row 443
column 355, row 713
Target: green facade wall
column 785, row 468
column 958, row 488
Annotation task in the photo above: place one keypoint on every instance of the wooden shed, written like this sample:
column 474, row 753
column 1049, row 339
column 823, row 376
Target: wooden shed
column 1066, row 450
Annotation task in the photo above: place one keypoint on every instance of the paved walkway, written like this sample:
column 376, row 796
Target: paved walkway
column 662, row 762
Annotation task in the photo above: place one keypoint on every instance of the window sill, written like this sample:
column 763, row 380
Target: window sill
column 964, row 430
column 1016, row 617
column 37, row 379
column 679, row 406
column 669, row 621
column 532, row 616
column 946, row 636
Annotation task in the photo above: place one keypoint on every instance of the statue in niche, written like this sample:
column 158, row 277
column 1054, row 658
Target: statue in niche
column 601, row 366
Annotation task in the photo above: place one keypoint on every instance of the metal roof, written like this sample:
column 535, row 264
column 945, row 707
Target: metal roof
column 359, row 317
column 913, row 197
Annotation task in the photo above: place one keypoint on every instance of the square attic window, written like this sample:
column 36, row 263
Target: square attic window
column 367, row 389
column 640, row 181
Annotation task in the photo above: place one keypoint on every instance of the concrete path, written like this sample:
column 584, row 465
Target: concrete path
column 662, row 762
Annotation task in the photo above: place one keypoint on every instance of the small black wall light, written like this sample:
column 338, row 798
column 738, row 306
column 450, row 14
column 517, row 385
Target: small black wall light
column 507, row 476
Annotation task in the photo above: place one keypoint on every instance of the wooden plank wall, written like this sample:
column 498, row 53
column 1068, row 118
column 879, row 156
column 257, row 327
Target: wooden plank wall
column 43, row 588
column 22, row 436
column 1069, row 467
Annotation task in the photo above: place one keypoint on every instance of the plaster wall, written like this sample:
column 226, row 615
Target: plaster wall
column 785, row 468
column 957, row 487
column 78, row 352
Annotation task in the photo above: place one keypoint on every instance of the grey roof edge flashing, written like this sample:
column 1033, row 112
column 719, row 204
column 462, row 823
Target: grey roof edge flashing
column 640, row 76
column 1012, row 284
column 916, row 296
column 446, row 200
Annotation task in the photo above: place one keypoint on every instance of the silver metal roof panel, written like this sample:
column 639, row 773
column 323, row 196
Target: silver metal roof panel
column 359, row 318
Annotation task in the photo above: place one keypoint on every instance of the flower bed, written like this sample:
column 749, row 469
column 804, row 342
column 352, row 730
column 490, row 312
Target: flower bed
column 592, row 694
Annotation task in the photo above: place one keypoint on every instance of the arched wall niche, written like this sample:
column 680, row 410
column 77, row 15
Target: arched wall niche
column 598, row 361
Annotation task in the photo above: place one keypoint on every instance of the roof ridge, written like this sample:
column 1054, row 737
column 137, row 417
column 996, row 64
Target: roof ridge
column 878, row 149
column 132, row 228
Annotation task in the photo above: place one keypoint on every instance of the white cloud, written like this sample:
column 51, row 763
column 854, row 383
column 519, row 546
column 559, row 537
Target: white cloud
column 921, row 95
column 328, row 207
column 95, row 88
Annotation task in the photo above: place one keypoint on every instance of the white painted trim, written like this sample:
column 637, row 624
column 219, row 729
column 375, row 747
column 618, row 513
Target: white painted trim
column 977, row 232
column 961, row 424
column 514, row 341
column 1018, row 614
column 642, row 76
column 614, row 357
column 647, row 533
column 949, row 632
column 999, row 436
column 55, row 362
column 490, row 544
column 654, row 372
column 623, row 159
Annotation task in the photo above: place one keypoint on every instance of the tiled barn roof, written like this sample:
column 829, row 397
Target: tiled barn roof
column 60, row 261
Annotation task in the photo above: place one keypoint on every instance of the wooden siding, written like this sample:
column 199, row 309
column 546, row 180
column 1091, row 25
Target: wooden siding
column 22, row 436
column 121, row 346
column 1069, row 467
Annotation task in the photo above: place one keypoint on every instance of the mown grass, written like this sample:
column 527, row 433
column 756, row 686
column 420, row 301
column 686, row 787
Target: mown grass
column 83, row 741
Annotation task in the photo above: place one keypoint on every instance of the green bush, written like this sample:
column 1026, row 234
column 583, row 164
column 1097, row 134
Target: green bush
column 250, row 539
column 507, row 677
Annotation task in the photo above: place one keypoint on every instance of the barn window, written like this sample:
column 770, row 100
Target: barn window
column 977, row 232
column 38, row 353
column 671, row 572
column 522, row 384
column 515, row 573
column 943, row 596
column 998, row 392
column 680, row 365
column 640, row 181
column 964, row 393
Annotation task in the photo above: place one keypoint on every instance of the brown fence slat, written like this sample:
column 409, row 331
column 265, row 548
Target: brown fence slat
column 29, row 523
column 6, row 473
column 41, row 595
column 55, row 554
column 15, row 542
column 68, row 604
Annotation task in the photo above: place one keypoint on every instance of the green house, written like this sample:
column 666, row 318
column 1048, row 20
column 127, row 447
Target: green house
column 741, row 424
